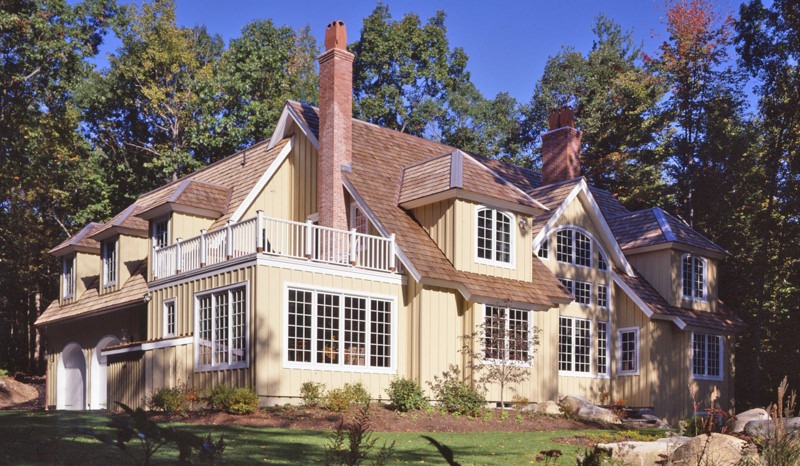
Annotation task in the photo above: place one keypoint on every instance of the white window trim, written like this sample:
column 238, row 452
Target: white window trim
column 635, row 331
column 164, row 319
column 705, row 279
column 340, row 367
column 592, row 369
column 153, row 224
column 593, row 245
column 355, row 213
column 529, row 361
column 575, row 292
column 236, row 365
column 68, row 282
column 108, row 283
column 721, row 358
column 511, row 264
column 608, row 296
column 607, row 373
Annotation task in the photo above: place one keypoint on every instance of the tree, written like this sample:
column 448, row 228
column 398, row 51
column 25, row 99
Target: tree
column 48, row 174
column 615, row 96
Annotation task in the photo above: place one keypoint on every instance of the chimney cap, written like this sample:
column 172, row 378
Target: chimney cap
column 336, row 35
column 561, row 118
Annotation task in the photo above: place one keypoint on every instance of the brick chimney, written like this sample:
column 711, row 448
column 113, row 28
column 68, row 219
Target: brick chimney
column 561, row 148
column 335, row 126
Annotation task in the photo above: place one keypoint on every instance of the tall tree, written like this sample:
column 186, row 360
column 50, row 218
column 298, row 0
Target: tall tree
column 48, row 175
column 615, row 97
column 768, row 40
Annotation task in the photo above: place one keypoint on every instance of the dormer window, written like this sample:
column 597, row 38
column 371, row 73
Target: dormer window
column 573, row 247
column 68, row 276
column 693, row 277
column 110, row 262
column 494, row 240
column 159, row 232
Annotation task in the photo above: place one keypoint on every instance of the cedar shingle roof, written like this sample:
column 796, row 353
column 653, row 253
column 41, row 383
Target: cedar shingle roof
column 91, row 302
column 190, row 192
column 650, row 227
column 379, row 156
column 80, row 240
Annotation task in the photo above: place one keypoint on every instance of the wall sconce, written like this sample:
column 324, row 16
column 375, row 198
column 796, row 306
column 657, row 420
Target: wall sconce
column 147, row 297
column 523, row 224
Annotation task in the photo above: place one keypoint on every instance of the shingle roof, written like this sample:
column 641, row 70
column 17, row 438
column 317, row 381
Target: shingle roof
column 80, row 240
column 190, row 192
column 650, row 227
column 91, row 302
column 379, row 156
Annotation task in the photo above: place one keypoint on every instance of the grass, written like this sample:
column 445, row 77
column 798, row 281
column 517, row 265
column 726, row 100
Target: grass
column 39, row 438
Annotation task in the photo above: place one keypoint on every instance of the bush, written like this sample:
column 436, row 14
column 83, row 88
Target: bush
column 168, row 400
column 340, row 399
column 312, row 393
column 232, row 400
column 455, row 395
column 406, row 395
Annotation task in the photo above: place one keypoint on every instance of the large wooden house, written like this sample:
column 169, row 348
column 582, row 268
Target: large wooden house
column 340, row 251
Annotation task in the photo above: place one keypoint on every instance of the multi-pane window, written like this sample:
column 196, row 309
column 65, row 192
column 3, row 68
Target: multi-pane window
column 706, row 356
column 573, row 247
column 109, row 262
column 507, row 334
column 339, row 330
column 222, row 329
column 602, row 295
column 583, row 293
column 602, row 348
column 68, row 276
column 602, row 262
column 160, row 232
column 574, row 345
column 628, row 350
column 568, row 284
column 694, row 277
column 169, row 318
column 358, row 219
column 544, row 249
column 494, row 236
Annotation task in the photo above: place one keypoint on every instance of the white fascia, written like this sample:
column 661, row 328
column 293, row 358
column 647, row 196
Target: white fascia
column 262, row 182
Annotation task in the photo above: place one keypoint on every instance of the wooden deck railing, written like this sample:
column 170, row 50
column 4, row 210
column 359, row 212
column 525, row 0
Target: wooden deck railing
column 285, row 238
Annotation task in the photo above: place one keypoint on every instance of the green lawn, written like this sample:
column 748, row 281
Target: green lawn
column 39, row 438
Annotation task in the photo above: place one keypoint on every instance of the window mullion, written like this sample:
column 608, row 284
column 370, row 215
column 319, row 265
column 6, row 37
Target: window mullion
column 314, row 316
column 229, row 343
column 342, row 342
column 368, row 333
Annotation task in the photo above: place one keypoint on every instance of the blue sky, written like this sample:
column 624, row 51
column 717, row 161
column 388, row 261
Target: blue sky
column 507, row 42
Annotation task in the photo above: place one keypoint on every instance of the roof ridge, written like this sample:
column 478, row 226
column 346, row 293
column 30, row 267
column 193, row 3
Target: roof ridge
column 659, row 214
column 507, row 183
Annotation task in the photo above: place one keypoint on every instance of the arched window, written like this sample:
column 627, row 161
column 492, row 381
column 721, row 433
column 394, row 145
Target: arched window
column 573, row 247
column 693, row 277
column 494, row 236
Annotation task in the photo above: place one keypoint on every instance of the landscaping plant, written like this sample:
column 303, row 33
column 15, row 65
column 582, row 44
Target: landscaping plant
column 455, row 395
column 406, row 395
column 312, row 394
column 351, row 445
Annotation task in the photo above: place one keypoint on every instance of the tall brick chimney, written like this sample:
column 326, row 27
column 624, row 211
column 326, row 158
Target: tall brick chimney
column 561, row 148
column 335, row 125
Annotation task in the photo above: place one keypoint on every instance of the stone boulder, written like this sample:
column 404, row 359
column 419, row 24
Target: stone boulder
column 643, row 453
column 741, row 419
column 766, row 429
column 710, row 450
column 584, row 409
column 571, row 404
column 549, row 408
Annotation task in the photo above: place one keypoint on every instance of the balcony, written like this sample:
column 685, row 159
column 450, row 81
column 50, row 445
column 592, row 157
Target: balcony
column 276, row 237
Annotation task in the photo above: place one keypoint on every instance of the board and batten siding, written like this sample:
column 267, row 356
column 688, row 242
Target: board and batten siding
column 291, row 193
column 130, row 252
column 662, row 269
column 185, row 226
column 275, row 382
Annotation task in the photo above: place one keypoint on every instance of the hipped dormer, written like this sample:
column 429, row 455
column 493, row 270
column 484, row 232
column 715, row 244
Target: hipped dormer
column 123, row 243
column 80, row 263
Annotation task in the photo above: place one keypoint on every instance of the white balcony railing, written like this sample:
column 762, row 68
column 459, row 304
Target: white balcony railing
column 277, row 237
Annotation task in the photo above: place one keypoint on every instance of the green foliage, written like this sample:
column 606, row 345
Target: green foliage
column 456, row 396
column 167, row 399
column 340, row 399
column 240, row 400
column 3, row 373
column 406, row 395
column 152, row 437
column 312, row 393
column 359, row 443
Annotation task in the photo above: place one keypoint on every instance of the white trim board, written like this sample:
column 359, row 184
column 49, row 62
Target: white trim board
column 262, row 182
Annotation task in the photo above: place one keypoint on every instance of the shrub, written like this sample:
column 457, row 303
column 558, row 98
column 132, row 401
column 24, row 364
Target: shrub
column 3, row 373
column 406, row 395
column 168, row 399
column 312, row 393
column 456, row 396
column 218, row 397
column 357, row 393
column 352, row 444
column 340, row 399
column 232, row 400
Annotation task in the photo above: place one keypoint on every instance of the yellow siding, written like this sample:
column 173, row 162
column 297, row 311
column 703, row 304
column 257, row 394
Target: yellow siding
column 662, row 269
column 634, row 390
column 184, row 226
column 291, row 193
column 438, row 220
column 87, row 266
column 126, row 378
column 131, row 250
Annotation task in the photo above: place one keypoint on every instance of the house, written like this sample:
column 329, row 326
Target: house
column 340, row 251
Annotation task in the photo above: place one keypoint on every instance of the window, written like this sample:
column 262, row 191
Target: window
column 338, row 330
column 694, row 277
column 602, row 295
column 506, row 334
column 221, row 341
column 574, row 345
column 358, row 220
column 628, row 350
column 602, row 348
column 544, row 249
column 109, row 262
column 494, row 236
column 583, row 293
column 602, row 263
column 573, row 247
column 706, row 356
column 568, row 284
column 160, row 232
column 169, row 318
column 68, row 276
